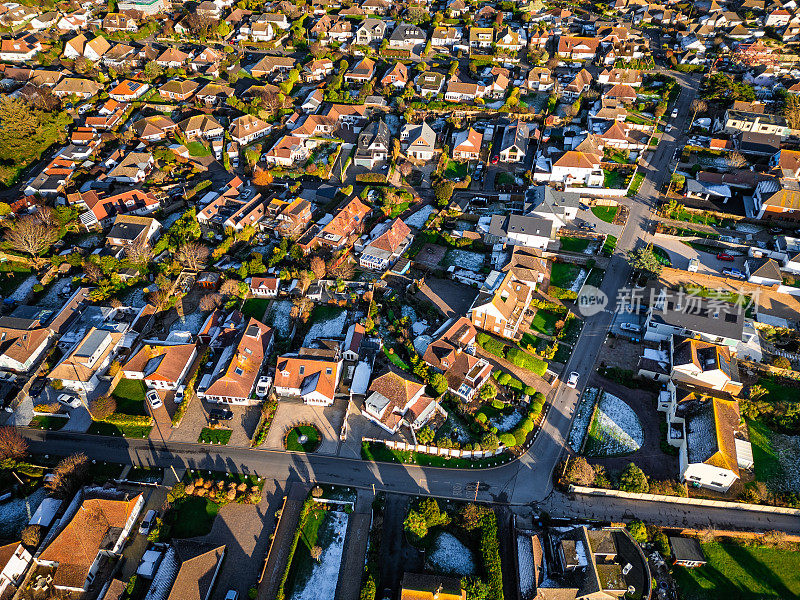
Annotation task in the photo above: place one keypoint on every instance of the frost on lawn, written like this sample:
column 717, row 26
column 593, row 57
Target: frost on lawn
column 615, row 429
column 325, row 573
column 450, row 556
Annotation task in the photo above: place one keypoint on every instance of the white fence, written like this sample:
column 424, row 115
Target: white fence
column 435, row 450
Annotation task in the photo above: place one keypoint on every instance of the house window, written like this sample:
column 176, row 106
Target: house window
column 328, row 371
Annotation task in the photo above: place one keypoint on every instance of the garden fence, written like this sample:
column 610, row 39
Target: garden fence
column 435, row 450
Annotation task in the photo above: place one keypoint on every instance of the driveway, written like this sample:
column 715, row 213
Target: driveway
column 360, row 427
column 244, row 422
column 681, row 254
column 292, row 412
column 450, row 297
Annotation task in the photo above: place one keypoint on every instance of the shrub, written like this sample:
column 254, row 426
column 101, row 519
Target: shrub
column 638, row 531
column 781, row 362
column 498, row 404
column 503, row 378
column 508, row 440
column 632, row 479
column 489, row 441
column 579, row 471
column 662, row 543
column 31, row 536
column 103, row 407
column 526, row 425
column 71, row 474
column 520, row 435
column 480, row 417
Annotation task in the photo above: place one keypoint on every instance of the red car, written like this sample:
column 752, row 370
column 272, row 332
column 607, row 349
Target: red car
column 725, row 256
column 495, row 159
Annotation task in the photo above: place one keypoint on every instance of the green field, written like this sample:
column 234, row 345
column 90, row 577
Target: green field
column 214, row 436
column 605, row 213
column 563, row 275
column 743, row 573
column 571, row 244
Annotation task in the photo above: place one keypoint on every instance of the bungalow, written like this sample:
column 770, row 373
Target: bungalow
column 264, row 287
column 153, row 128
column 178, row 89
column 161, row 366
column 172, row 58
column 461, row 91
column 575, row 167
column 763, row 271
column 248, row 128
column 96, row 48
column 540, row 79
column 481, row 38
column 395, row 400
column 577, row 48
column 270, row 64
column 133, row 168
column 348, row 221
column 72, row 86
column 467, row 144
column 622, row 92
column 127, row 90
column 309, row 376
column 214, row 94
column 201, row 127
column 361, row 72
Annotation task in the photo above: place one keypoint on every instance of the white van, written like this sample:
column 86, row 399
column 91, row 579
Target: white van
column 694, row 264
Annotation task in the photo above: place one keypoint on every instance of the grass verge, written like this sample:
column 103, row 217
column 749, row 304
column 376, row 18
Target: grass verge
column 214, row 436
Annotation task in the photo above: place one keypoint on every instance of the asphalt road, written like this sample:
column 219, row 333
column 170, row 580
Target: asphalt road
column 527, row 481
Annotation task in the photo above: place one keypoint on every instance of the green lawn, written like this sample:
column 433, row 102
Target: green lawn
column 605, row 213
column 214, row 436
column 255, row 307
column 46, row 422
column 504, row 178
column 399, row 209
column 765, row 460
column 571, row 244
column 313, row 439
column 562, row 275
column 198, row 149
column 545, row 322
column 378, row 452
column 130, row 431
column 609, row 245
column 129, row 395
column 396, row 360
column 777, row 392
column 638, row 178
column 11, row 278
column 456, row 170
column 612, row 179
column 744, row 573
column 193, row 516
column 315, row 532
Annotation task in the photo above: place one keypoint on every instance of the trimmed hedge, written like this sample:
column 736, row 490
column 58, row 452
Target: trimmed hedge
column 281, row 595
column 123, row 419
column 490, row 552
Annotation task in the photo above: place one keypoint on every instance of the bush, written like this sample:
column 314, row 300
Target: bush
column 481, row 417
column 102, row 408
column 579, row 472
column 490, row 441
column 526, row 361
column 632, row 479
column 520, row 435
column 638, row 531
column 662, row 543
column 31, row 536
column 70, row 475
column 503, row 378
column 498, row 404
column 508, row 440
column 781, row 362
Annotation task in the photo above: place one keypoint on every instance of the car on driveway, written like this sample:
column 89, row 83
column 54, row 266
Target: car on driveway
column 632, row 327
column 735, row 273
column 68, row 400
column 179, row 394
column 495, row 159
column 147, row 522
column 221, row 414
column 154, row 399
column 572, row 380
column 725, row 256
column 263, row 385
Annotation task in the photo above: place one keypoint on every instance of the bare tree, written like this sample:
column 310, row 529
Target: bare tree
column 92, row 271
column 69, row 476
column 13, row 446
column 31, row 535
column 193, row 256
column 318, row 267
column 139, row 252
column 736, row 160
column 31, row 235
column 699, row 106
column 210, row 302
column 230, row 288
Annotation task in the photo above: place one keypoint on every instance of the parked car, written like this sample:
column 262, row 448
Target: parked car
column 179, row 393
column 221, row 414
column 694, row 265
column 147, row 522
column 263, row 385
column 735, row 273
column 495, row 159
column 631, row 327
column 675, row 113
column 572, row 381
column 588, row 226
column 154, row 399
column 725, row 256
column 68, row 400
column 232, row 595
column 37, row 386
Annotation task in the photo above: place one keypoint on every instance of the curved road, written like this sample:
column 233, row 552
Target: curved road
column 526, row 481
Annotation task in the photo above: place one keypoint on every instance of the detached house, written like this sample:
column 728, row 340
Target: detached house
column 80, row 370
column 133, row 168
column 178, row 89
column 385, row 249
column 308, row 376
column 503, row 310
column 264, row 287
column 161, row 366
column 349, row 220
column 80, row 88
column 481, row 38
column 287, row 151
column 467, row 144
column 699, row 364
column 172, row 58
column 430, row 83
column 128, row 91
column 395, row 400
column 371, row 30
column 201, row 126
column 234, row 376
column 373, row 145
column 361, row 72
column 248, row 128
column 419, row 141
column 406, row 35
column 514, row 145
column 577, row 48
column 452, row 353
column 397, row 76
